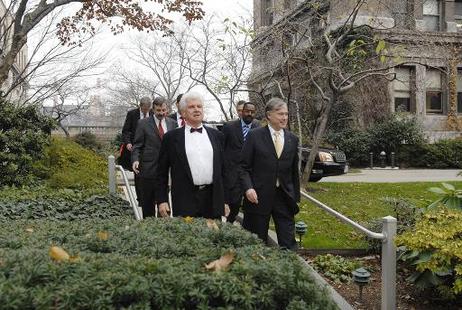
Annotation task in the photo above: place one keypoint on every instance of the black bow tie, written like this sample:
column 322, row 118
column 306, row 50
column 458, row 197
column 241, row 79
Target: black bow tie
column 199, row 130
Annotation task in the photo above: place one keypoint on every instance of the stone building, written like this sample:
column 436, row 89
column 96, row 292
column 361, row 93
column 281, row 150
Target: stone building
column 19, row 67
column 429, row 31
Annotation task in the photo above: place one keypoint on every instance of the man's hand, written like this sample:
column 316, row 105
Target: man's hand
column 227, row 210
column 251, row 196
column 129, row 147
column 164, row 209
column 135, row 167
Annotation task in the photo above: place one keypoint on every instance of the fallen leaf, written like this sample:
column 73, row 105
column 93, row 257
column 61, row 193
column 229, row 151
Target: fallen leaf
column 212, row 224
column 58, row 254
column 29, row 230
column 74, row 259
column 188, row 220
column 103, row 235
column 222, row 263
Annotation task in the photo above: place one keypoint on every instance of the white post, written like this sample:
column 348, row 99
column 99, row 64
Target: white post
column 389, row 264
column 111, row 174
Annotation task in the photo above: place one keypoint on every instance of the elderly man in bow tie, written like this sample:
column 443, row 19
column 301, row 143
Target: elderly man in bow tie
column 194, row 156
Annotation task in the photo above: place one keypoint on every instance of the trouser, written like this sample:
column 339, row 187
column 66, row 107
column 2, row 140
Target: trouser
column 147, row 195
column 283, row 218
column 202, row 202
column 233, row 211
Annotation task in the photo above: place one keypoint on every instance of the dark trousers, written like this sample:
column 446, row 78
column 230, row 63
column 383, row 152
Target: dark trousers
column 283, row 218
column 202, row 202
column 138, row 189
column 147, row 196
column 233, row 211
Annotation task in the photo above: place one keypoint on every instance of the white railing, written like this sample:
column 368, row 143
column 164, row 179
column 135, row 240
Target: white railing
column 388, row 250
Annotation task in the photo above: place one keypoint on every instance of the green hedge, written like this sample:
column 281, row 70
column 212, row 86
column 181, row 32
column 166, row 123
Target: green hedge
column 67, row 164
column 153, row 264
column 442, row 154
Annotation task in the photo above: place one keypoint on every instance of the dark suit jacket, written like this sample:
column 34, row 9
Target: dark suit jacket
column 146, row 145
column 173, row 116
column 234, row 141
column 173, row 156
column 260, row 168
column 129, row 128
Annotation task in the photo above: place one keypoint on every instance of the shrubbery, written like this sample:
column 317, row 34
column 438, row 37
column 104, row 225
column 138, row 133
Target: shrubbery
column 66, row 164
column 153, row 264
column 434, row 248
column 441, row 154
column 24, row 133
column 88, row 140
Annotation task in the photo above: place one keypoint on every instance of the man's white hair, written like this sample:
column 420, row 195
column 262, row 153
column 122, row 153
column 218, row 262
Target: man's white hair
column 189, row 96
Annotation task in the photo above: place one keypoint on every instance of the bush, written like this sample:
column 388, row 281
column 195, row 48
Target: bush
column 433, row 249
column 66, row 164
column 153, row 264
column 68, row 207
column 386, row 135
column 88, row 140
column 439, row 155
column 24, row 133
column 334, row 267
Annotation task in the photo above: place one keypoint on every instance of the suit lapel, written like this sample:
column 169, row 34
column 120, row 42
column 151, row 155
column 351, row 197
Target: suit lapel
column 269, row 142
column 238, row 130
column 215, row 146
column 181, row 151
column 287, row 143
column 170, row 123
column 152, row 124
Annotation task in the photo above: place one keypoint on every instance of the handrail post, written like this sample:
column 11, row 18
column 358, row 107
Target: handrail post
column 389, row 263
column 111, row 174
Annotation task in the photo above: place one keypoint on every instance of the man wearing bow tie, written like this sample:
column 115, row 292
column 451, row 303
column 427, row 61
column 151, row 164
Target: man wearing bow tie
column 235, row 133
column 145, row 154
column 194, row 156
column 270, row 177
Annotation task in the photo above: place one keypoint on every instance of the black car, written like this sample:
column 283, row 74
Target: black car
column 328, row 162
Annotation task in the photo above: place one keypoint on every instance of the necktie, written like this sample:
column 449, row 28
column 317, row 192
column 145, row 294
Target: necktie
column 182, row 122
column 144, row 114
column 199, row 130
column 245, row 131
column 161, row 130
column 278, row 143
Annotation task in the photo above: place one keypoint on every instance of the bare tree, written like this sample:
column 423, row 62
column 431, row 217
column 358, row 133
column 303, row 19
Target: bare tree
column 220, row 59
column 22, row 16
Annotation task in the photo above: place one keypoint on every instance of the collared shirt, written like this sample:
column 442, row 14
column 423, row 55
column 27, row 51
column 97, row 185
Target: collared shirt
column 199, row 152
column 273, row 136
column 163, row 122
column 179, row 119
column 142, row 115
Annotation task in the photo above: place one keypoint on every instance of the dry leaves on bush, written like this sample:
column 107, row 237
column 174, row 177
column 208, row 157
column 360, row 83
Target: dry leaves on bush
column 222, row 263
column 58, row 254
column 103, row 235
column 188, row 220
column 212, row 224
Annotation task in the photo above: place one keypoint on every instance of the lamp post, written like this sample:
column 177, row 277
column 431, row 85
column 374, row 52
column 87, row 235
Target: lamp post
column 383, row 158
column 361, row 277
column 300, row 230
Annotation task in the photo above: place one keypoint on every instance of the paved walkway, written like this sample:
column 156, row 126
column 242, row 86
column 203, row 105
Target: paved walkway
column 397, row 176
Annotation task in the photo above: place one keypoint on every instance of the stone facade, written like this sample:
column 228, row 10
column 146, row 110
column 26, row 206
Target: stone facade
column 429, row 31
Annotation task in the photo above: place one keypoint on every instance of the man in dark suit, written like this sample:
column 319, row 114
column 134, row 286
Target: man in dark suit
column 176, row 116
column 129, row 129
column 194, row 155
column 270, row 177
column 235, row 133
column 145, row 154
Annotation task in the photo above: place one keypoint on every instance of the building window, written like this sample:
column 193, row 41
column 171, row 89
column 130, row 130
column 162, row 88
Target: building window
column 431, row 15
column 267, row 12
column 459, row 90
column 402, row 89
column 458, row 14
column 434, row 92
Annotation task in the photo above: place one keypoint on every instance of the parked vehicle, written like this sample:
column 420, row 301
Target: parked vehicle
column 328, row 162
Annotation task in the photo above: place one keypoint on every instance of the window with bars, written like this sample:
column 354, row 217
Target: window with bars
column 402, row 89
column 431, row 15
column 434, row 91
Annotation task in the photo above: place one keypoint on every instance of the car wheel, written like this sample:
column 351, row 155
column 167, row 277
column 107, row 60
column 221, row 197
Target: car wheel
column 315, row 179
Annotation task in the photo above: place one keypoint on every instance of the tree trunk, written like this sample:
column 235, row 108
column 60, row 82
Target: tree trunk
column 319, row 131
column 64, row 129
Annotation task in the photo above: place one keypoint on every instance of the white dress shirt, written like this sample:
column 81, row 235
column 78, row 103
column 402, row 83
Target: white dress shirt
column 273, row 136
column 142, row 115
column 179, row 120
column 199, row 152
column 163, row 123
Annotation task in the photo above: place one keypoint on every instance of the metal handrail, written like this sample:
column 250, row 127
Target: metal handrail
column 388, row 250
column 131, row 196
column 343, row 218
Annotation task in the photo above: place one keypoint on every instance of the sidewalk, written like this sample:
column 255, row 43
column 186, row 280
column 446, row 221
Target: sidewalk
column 398, row 176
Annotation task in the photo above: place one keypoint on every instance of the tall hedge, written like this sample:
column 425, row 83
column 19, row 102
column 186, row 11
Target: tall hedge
column 24, row 133
column 153, row 264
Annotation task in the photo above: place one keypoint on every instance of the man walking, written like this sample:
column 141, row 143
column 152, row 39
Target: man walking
column 270, row 177
column 128, row 133
column 194, row 155
column 235, row 133
column 145, row 154
column 177, row 117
